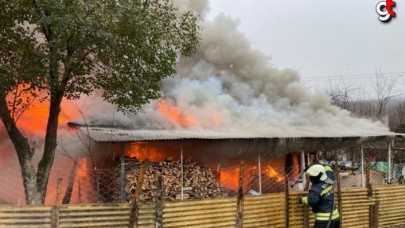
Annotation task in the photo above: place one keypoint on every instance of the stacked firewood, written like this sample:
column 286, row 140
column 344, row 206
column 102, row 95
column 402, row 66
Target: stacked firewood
column 198, row 180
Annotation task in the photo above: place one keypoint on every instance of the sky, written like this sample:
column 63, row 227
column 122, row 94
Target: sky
column 323, row 40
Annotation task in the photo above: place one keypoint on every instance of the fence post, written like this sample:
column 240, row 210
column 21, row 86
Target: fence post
column 259, row 165
column 362, row 166
column 182, row 172
column 122, row 173
column 134, row 207
column 240, row 199
column 159, row 202
column 389, row 161
column 287, row 205
column 373, row 209
column 56, row 207
column 306, row 207
column 376, row 212
column 373, row 215
column 368, row 179
column 339, row 195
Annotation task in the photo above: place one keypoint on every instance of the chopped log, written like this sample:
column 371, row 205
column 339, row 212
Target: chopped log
column 200, row 182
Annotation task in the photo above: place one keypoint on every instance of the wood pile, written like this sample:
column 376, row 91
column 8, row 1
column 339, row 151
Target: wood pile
column 199, row 181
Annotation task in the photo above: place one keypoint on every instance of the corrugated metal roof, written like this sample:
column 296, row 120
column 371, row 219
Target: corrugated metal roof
column 107, row 134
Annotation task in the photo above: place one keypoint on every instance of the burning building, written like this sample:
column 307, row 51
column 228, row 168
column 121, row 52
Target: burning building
column 203, row 164
column 226, row 104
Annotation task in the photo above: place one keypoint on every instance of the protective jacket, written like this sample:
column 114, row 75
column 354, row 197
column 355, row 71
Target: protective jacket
column 330, row 173
column 320, row 198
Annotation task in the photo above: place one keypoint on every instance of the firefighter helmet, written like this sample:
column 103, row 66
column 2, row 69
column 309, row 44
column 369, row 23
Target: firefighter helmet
column 316, row 170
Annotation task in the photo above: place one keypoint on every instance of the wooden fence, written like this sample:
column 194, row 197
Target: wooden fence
column 384, row 209
column 90, row 215
column 264, row 211
column 391, row 205
column 25, row 216
column 200, row 213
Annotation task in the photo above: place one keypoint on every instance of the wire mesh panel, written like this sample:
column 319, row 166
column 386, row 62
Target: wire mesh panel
column 80, row 185
column 195, row 181
column 86, row 186
column 11, row 190
column 256, row 181
column 77, row 186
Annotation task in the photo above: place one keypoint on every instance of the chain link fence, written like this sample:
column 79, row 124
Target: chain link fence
column 187, row 180
column 76, row 186
column 257, row 180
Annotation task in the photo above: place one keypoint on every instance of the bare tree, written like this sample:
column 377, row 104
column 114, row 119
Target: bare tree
column 87, row 152
column 385, row 88
column 342, row 93
column 363, row 105
column 397, row 116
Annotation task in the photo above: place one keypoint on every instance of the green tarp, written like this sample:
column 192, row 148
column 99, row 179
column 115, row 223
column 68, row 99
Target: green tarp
column 383, row 167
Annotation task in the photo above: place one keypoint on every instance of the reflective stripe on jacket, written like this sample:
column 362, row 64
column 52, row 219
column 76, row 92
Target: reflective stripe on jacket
column 320, row 198
column 325, row 216
column 329, row 172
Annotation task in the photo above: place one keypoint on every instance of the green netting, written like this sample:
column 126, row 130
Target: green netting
column 383, row 167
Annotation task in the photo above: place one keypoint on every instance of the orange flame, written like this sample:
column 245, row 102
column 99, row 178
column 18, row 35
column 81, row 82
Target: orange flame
column 84, row 189
column 272, row 173
column 230, row 178
column 143, row 151
column 175, row 114
column 83, row 167
column 296, row 166
column 34, row 119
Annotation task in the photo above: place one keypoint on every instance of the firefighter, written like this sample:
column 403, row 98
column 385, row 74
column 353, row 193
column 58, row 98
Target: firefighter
column 321, row 197
column 329, row 173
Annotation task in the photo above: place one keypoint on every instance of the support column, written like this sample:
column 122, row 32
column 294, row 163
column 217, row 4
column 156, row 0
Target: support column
column 304, row 177
column 182, row 173
column 362, row 167
column 287, row 204
column 240, row 199
column 122, row 173
column 308, row 160
column 389, row 161
column 259, row 165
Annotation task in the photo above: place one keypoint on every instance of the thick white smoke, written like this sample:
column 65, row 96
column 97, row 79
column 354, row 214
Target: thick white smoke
column 229, row 86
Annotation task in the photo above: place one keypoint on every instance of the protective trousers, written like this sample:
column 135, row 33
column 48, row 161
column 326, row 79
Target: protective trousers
column 323, row 224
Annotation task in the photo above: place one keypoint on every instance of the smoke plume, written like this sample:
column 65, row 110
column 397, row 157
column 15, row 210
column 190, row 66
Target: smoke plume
column 230, row 87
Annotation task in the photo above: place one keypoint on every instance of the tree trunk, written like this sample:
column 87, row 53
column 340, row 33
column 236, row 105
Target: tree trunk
column 23, row 150
column 35, row 184
column 45, row 165
column 30, row 183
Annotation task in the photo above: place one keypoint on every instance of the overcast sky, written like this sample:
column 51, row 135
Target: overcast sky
column 322, row 39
